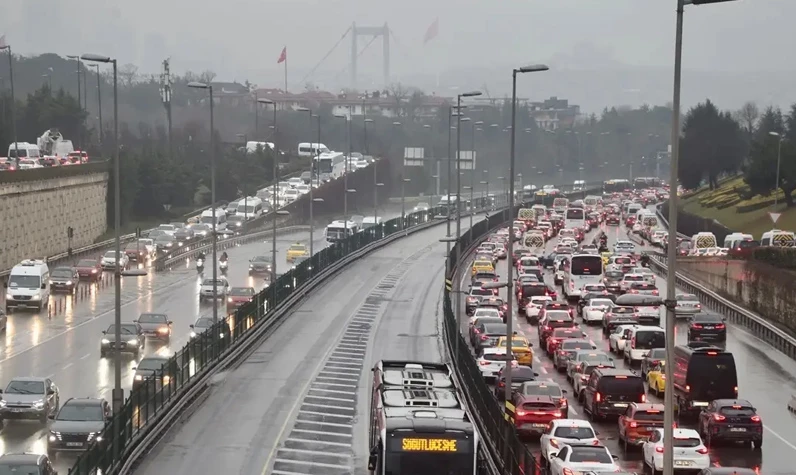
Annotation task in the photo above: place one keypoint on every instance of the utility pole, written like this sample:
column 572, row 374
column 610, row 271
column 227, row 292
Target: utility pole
column 165, row 96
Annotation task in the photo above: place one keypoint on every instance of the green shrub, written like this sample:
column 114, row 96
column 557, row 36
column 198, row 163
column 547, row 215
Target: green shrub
column 782, row 257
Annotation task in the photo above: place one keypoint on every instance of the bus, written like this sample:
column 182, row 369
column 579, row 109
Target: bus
column 579, row 271
column 447, row 208
column 528, row 194
column 418, row 424
column 332, row 163
column 339, row 230
column 615, row 186
column 560, row 205
column 575, row 218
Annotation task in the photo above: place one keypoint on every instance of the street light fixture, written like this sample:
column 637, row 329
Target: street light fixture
column 510, row 251
column 668, row 413
column 117, row 395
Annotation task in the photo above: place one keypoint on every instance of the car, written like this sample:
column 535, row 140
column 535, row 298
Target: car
column 166, row 242
column 566, row 351
column 78, row 424
column 612, row 220
column 618, row 339
column 729, row 471
column 261, row 265
column 586, row 297
column 36, row 464
column 200, row 230
column 612, row 279
column 656, row 379
column 29, row 398
column 654, row 357
column 519, row 375
column 704, row 373
column 582, row 373
column 547, row 388
column 595, row 310
column 132, row 339
column 297, row 250
column 474, row 297
column 579, row 458
column 565, row 431
column 89, row 269
column 609, row 391
column 707, row 327
column 618, row 315
column 64, row 279
column 687, row 304
column 482, row 317
column 108, row 261
column 642, row 339
column 552, row 320
column 534, row 307
column 184, row 234
column 135, row 252
column 588, row 355
column 533, row 413
column 206, row 289
column 154, row 370
column 520, row 347
column 559, row 335
column 238, row 296
column 628, row 279
column 731, row 420
column 638, row 422
column 156, row 326
column 495, row 302
column 492, row 361
column 422, row 206
column 689, row 454
column 642, row 288
column 624, row 247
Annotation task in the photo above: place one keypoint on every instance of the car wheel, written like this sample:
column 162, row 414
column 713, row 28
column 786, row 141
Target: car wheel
column 102, row 354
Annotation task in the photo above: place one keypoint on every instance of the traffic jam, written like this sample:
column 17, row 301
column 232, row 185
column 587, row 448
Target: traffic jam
column 587, row 379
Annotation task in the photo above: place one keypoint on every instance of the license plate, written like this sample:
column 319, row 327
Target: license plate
column 738, row 429
column 16, row 410
column 620, row 404
column 682, row 463
column 650, row 429
column 708, row 327
column 74, row 444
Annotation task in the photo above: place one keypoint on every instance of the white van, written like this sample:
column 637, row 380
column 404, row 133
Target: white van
column 732, row 240
column 642, row 339
column 777, row 237
column 336, row 230
column 590, row 202
column 250, row 208
column 310, row 149
column 26, row 150
column 369, row 222
column 27, row 285
column 221, row 219
column 703, row 240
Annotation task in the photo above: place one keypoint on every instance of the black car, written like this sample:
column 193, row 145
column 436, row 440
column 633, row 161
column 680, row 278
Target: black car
column 488, row 335
column 27, row 463
column 156, row 326
column 707, row 327
column 79, row 423
column 609, row 391
column 64, row 279
column 519, row 375
column 132, row 340
column 731, row 420
column 261, row 265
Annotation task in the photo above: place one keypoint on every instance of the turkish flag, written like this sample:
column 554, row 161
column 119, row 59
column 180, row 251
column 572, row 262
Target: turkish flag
column 432, row 32
column 283, row 56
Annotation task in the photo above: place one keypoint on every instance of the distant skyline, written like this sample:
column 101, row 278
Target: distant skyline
column 743, row 44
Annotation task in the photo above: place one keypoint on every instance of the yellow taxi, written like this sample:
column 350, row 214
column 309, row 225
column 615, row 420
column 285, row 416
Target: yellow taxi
column 296, row 251
column 656, row 379
column 483, row 266
column 521, row 347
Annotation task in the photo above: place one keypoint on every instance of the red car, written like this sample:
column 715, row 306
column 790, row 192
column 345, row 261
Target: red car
column 532, row 414
column 550, row 320
column 238, row 296
column 744, row 249
column 89, row 269
column 630, row 221
column 560, row 334
column 612, row 220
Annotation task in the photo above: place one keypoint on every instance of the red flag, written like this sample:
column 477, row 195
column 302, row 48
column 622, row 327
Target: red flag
column 283, row 56
column 432, row 32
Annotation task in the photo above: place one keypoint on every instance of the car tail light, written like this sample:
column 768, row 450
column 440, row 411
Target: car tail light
column 483, row 362
column 633, row 342
column 557, row 414
column 568, row 471
column 563, row 402
column 554, row 443
column 598, row 397
column 562, row 352
column 720, row 326
column 484, row 337
column 718, row 417
column 736, row 390
column 502, row 384
column 633, row 424
column 476, row 331
column 643, row 398
column 522, row 413
column 702, row 450
column 696, row 325
column 756, row 419
column 546, row 328
column 659, row 449
column 654, row 292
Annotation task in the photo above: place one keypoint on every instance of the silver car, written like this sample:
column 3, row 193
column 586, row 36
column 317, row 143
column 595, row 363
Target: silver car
column 29, row 398
column 566, row 351
column 687, row 304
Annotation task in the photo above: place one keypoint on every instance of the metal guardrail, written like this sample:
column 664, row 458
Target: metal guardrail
column 153, row 405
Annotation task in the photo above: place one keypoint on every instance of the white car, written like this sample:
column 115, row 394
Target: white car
column 624, row 247
column 303, row 189
column 492, row 361
column 595, row 310
column 628, row 279
column 535, row 305
column 617, row 339
column 689, row 451
column 657, row 237
column 579, row 458
column 687, row 304
column 593, row 288
column 647, row 273
column 637, row 227
column 565, row 431
column 484, row 312
column 108, row 260
column 206, row 289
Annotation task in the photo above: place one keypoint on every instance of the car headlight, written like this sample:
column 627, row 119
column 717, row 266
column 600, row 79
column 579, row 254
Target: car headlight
column 229, row 300
column 193, row 334
column 38, row 404
column 2, row 403
column 163, row 330
column 69, row 282
column 134, row 341
column 106, row 341
column 138, row 377
column 9, row 297
column 166, row 379
column 50, row 282
column 35, row 297
column 93, row 271
column 168, row 244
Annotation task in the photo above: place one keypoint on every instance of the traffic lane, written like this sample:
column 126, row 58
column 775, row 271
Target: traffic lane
column 72, row 358
column 219, row 438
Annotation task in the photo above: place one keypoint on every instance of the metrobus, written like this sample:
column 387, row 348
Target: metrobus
column 418, row 424
column 339, row 230
column 528, row 194
column 447, row 208
column 575, row 218
column 615, row 186
column 580, row 270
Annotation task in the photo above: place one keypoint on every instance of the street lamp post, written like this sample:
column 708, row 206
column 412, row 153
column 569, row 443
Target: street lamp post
column 476, row 127
column 209, row 88
column 459, row 169
column 345, row 176
column 275, row 194
column 486, row 193
column 13, row 102
column 117, row 395
column 313, row 170
column 436, row 163
column 451, row 127
column 99, row 104
column 668, row 401
column 404, row 181
column 79, row 96
column 779, row 158
column 510, row 250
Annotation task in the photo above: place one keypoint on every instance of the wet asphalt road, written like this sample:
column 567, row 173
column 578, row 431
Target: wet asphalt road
column 300, row 403
column 65, row 346
column 766, row 377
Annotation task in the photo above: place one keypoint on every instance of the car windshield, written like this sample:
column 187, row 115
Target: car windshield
column 204, row 323
column 86, row 263
column 63, row 273
column 687, row 442
column 152, row 318
column 687, row 298
column 11, row 468
column 262, row 260
column 241, row 291
column 558, row 315
column 297, row 247
column 552, row 390
column 209, row 282
column 646, row 340
column 25, row 387
column 576, row 345
column 582, row 454
column 614, row 275
column 495, row 329
column 574, row 432
column 134, row 246
column 81, row 413
column 738, row 411
column 600, row 303
column 481, row 292
column 151, row 364
column 128, row 329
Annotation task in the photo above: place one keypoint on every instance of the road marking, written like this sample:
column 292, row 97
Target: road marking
column 51, row 376
column 67, row 365
column 85, row 356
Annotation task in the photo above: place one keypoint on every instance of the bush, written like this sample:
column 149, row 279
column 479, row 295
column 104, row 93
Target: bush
column 782, row 257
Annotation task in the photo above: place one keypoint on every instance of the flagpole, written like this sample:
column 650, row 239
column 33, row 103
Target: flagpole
column 5, row 46
column 285, row 69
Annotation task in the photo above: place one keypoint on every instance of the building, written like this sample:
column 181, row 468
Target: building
column 554, row 113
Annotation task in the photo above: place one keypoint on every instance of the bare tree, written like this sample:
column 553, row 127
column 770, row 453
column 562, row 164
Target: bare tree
column 207, row 76
column 128, row 73
column 748, row 116
column 399, row 94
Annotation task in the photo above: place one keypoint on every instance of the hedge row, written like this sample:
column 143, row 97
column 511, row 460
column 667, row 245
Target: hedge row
column 782, row 257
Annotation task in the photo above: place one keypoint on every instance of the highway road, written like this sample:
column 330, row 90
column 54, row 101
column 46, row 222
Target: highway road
column 299, row 404
column 766, row 377
column 65, row 347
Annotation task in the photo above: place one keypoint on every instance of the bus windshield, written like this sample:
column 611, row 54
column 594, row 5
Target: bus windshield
column 325, row 165
column 419, row 454
column 575, row 213
column 586, row 265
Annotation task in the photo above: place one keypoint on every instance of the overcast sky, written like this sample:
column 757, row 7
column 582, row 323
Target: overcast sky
column 242, row 39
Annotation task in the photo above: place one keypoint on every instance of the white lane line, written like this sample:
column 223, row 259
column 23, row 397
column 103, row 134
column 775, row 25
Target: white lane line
column 85, row 356
column 572, row 411
column 67, row 365
column 51, row 376
column 789, row 444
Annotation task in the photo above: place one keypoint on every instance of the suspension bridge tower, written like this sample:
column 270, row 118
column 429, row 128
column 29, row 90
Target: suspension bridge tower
column 374, row 32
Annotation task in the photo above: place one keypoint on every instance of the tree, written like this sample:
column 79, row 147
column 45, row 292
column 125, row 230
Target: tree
column 128, row 74
column 747, row 116
column 761, row 174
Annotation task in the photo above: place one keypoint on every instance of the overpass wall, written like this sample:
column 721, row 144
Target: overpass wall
column 36, row 213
